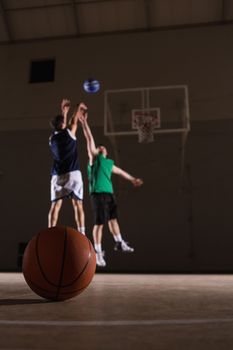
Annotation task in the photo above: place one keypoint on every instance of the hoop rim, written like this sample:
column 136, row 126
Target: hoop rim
column 147, row 115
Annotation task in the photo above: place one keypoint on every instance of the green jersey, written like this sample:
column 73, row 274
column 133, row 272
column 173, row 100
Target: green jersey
column 99, row 175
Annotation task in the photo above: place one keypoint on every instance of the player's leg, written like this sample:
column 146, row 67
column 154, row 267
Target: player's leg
column 114, row 228
column 97, row 201
column 54, row 212
column 97, row 239
column 120, row 245
column 79, row 214
column 97, row 236
column 76, row 186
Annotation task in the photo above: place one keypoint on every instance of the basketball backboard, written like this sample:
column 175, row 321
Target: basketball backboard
column 171, row 103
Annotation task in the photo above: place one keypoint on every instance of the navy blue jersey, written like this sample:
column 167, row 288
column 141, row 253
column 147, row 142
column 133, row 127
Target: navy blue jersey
column 65, row 153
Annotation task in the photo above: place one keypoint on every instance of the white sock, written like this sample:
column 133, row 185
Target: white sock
column 81, row 230
column 118, row 237
column 98, row 248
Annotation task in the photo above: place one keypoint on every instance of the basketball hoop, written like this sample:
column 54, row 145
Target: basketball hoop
column 145, row 122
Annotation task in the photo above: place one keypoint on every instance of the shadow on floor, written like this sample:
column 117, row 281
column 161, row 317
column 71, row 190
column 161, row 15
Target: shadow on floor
column 23, row 301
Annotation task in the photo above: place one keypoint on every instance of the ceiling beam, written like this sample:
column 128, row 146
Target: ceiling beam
column 5, row 21
column 226, row 14
column 75, row 15
column 147, row 9
column 120, row 32
column 61, row 4
column 223, row 14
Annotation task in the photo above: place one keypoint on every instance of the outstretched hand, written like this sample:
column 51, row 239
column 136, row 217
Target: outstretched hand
column 137, row 182
column 65, row 105
column 83, row 118
column 82, row 112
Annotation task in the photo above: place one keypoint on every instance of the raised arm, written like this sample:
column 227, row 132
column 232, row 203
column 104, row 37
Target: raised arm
column 91, row 147
column 65, row 107
column 135, row 181
column 78, row 113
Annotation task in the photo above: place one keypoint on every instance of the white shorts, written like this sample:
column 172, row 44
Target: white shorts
column 67, row 185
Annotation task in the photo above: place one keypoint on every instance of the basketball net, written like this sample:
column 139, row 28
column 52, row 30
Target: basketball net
column 145, row 123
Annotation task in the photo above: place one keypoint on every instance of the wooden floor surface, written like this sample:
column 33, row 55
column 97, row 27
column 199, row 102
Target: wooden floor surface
column 120, row 311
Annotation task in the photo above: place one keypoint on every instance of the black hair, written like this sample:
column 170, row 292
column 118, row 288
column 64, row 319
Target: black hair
column 57, row 122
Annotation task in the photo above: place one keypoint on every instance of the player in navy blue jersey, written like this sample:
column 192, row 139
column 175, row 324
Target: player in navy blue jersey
column 66, row 177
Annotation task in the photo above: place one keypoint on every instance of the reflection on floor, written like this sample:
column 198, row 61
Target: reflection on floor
column 121, row 312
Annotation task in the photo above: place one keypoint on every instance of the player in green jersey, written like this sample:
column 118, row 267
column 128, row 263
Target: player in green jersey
column 100, row 170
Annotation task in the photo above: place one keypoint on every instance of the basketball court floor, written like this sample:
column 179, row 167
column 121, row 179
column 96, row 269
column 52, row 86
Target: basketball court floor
column 121, row 311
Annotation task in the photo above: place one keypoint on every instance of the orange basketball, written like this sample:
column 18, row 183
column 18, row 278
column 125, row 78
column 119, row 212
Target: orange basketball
column 59, row 263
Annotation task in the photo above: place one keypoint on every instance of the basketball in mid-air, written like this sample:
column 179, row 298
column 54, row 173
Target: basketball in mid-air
column 91, row 85
column 59, row 263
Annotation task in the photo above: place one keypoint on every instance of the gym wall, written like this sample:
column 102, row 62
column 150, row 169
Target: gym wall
column 176, row 223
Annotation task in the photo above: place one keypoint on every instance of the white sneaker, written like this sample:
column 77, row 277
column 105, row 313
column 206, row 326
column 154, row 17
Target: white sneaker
column 100, row 259
column 124, row 247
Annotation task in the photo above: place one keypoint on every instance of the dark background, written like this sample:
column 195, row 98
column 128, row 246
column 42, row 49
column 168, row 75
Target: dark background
column 174, row 225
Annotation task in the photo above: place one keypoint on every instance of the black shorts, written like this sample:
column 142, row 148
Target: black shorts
column 104, row 207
